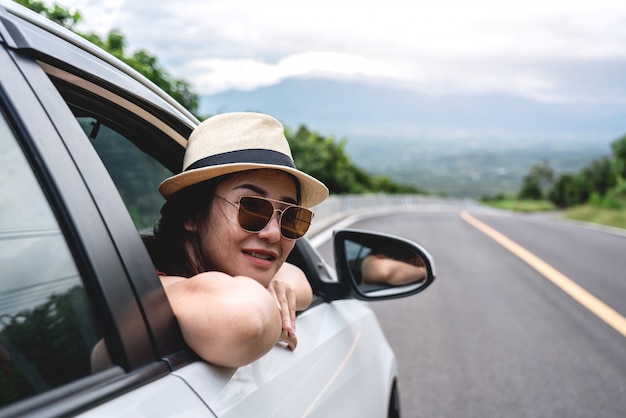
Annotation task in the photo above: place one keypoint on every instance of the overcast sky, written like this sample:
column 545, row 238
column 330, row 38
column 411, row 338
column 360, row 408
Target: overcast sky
column 545, row 50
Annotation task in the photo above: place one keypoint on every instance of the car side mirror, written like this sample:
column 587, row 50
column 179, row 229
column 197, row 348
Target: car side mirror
column 380, row 266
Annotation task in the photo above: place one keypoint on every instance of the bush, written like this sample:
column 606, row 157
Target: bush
column 616, row 197
column 531, row 189
column 566, row 192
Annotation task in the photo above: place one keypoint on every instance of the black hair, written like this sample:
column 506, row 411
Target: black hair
column 171, row 237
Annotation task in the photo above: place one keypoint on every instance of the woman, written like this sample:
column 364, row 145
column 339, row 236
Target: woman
column 231, row 219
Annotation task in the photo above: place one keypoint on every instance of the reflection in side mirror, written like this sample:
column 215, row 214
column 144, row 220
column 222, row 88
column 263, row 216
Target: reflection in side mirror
column 382, row 266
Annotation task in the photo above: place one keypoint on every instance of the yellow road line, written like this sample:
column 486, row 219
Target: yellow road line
column 593, row 304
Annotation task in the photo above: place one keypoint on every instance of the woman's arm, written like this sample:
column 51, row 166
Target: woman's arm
column 380, row 269
column 228, row 321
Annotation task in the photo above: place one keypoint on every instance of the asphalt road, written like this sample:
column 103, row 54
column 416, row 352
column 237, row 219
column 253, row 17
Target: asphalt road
column 495, row 336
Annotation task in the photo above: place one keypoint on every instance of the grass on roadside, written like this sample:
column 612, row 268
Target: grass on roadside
column 521, row 205
column 587, row 213
column 594, row 214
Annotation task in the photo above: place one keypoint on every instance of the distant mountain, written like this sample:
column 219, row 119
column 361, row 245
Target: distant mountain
column 342, row 109
column 461, row 145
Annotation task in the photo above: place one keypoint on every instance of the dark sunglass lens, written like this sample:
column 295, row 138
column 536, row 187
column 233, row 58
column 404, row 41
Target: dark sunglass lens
column 295, row 221
column 254, row 213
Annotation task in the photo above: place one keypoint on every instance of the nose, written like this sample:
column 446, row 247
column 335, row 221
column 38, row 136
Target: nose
column 271, row 232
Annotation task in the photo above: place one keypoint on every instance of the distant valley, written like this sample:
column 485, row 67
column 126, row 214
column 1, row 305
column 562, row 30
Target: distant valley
column 462, row 169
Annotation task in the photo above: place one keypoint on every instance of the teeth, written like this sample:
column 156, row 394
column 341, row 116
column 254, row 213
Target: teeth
column 259, row 255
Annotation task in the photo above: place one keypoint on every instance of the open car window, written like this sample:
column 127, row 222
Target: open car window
column 135, row 173
column 136, row 154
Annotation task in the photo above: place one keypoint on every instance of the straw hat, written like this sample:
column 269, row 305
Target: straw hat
column 240, row 141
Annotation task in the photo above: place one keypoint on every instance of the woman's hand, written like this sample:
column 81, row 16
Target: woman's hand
column 286, row 299
column 292, row 293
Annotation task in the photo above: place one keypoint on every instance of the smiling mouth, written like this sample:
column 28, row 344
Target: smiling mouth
column 260, row 255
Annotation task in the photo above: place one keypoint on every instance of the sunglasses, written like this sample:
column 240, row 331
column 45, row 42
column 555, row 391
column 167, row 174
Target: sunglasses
column 256, row 212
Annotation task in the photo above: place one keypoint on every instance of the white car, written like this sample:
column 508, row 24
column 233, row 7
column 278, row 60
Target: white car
column 84, row 143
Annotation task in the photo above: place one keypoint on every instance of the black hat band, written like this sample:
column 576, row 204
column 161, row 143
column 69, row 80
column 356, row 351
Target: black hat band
column 245, row 156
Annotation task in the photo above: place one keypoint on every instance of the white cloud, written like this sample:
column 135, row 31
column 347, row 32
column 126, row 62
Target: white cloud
column 100, row 17
column 433, row 46
column 216, row 75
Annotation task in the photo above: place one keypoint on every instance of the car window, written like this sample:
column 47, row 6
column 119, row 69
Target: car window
column 137, row 155
column 47, row 326
column 135, row 173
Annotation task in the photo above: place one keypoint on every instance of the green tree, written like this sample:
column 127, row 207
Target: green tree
column 531, row 189
column 619, row 153
column 537, row 182
column 115, row 43
column 55, row 13
column 598, row 177
column 322, row 158
column 602, row 182
column 566, row 191
column 593, row 182
column 615, row 197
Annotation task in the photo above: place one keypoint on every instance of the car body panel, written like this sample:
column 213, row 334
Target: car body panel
column 340, row 349
column 166, row 397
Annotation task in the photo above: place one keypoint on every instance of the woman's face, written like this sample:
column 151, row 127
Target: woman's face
column 231, row 249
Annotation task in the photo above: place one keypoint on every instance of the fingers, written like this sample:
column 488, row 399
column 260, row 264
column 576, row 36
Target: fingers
column 287, row 302
column 289, row 311
column 286, row 299
column 290, row 339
